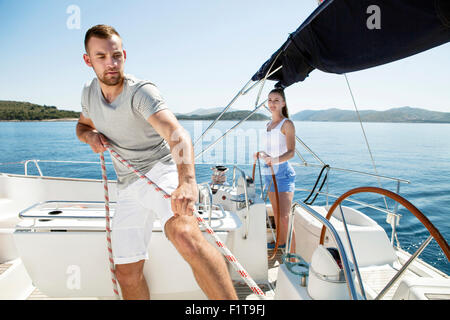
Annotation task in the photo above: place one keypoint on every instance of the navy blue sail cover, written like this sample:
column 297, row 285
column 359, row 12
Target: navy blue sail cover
column 343, row 36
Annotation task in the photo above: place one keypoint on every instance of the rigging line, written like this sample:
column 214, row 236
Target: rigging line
column 315, row 185
column 266, row 76
column 224, row 110
column 241, row 92
column 229, row 130
column 365, row 137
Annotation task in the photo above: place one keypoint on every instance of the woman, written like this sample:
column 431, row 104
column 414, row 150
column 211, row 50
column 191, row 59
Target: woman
column 280, row 147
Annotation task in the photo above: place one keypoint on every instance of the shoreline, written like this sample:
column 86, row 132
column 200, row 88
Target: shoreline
column 43, row 120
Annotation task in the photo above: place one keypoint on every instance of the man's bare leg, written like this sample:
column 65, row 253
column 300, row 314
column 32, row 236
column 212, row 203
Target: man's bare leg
column 208, row 265
column 132, row 282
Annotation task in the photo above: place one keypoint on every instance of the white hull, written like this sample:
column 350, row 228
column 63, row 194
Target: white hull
column 67, row 257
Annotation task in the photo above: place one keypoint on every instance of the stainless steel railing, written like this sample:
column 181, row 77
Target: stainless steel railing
column 344, row 259
column 37, row 161
column 247, row 204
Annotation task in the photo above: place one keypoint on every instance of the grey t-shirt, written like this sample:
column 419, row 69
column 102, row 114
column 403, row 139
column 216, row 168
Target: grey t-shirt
column 124, row 123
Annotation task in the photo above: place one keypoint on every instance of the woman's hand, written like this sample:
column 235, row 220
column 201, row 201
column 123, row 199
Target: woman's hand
column 268, row 159
column 262, row 155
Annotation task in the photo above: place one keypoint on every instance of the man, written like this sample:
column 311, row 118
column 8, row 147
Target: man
column 130, row 115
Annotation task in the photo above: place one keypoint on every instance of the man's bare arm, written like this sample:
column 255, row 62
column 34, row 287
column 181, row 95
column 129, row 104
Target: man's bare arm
column 165, row 123
column 184, row 197
column 87, row 133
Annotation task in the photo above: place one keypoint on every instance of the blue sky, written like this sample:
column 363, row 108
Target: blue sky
column 199, row 53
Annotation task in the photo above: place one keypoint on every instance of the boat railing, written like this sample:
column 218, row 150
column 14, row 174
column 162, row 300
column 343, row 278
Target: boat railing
column 210, row 198
column 340, row 247
column 247, row 204
column 96, row 208
column 393, row 217
column 328, row 194
column 38, row 167
column 392, row 214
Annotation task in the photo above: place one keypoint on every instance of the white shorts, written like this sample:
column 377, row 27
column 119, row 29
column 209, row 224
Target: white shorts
column 137, row 206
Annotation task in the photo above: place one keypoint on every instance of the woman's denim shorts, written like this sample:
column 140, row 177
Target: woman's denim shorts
column 284, row 175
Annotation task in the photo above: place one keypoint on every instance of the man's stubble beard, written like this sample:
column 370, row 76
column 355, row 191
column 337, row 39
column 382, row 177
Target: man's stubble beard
column 113, row 81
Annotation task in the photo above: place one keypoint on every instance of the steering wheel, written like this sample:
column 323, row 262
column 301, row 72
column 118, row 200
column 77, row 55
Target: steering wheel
column 434, row 232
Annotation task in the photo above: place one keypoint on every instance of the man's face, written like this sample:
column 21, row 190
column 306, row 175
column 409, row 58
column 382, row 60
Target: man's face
column 107, row 58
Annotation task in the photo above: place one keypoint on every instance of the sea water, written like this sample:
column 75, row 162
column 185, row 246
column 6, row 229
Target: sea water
column 416, row 152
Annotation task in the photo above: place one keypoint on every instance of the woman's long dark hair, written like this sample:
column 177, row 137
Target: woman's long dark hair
column 280, row 91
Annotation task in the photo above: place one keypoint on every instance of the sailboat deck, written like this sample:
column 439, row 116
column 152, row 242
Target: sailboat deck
column 4, row 267
column 245, row 293
column 242, row 289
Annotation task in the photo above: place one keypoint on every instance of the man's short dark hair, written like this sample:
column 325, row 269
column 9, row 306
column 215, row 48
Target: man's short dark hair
column 101, row 31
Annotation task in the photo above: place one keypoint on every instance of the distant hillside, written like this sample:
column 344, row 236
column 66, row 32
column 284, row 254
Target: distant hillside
column 233, row 115
column 405, row 114
column 204, row 111
column 25, row 111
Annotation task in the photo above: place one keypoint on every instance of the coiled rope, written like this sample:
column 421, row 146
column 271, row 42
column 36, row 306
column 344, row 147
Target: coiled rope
column 222, row 247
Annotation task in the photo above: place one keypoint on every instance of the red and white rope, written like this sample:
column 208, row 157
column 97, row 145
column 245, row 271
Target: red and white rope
column 222, row 247
column 231, row 258
column 108, row 227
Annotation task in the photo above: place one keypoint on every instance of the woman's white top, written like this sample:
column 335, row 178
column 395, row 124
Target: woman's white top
column 275, row 140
